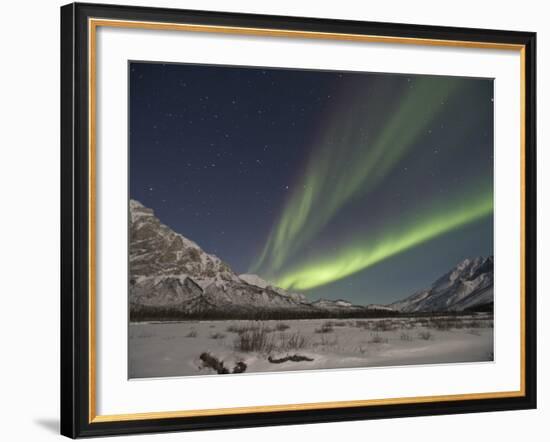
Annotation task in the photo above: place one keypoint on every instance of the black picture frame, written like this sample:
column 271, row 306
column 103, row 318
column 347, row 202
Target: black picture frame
column 76, row 402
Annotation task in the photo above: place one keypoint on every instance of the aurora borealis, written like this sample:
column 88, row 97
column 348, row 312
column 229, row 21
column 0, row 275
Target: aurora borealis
column 364, row 252
column 361, row 186
column 349, row 162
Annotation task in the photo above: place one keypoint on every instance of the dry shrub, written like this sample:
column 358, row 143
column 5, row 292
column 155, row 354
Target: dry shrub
column 326, row 342
column 291, row 341
column 425, row 335
column 326, row 327
column 383, row 325
column 377, row 339
column 281, row 326
column 244, row 328
column 255, row 340
column 363, row 324
column 442, row 324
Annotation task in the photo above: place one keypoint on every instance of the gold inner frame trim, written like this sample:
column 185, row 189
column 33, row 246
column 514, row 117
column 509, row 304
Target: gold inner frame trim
column 93, row 24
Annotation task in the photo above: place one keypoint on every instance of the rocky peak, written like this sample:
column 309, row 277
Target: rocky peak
column 168, row 270
column 156, row 250
column 468, row 284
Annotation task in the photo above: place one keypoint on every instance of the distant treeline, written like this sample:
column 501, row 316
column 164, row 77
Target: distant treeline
column 142, row 314
column 487, row 308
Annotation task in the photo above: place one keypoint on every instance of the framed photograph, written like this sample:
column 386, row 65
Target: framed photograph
column 279, row 220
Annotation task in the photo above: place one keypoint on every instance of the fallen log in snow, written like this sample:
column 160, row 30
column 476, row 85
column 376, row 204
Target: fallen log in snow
column 293, row 358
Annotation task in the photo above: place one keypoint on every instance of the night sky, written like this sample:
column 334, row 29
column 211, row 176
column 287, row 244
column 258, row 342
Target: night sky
column 362, row 186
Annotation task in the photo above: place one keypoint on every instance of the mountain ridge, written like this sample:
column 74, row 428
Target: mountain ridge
column 173, row 275
column 467, row 285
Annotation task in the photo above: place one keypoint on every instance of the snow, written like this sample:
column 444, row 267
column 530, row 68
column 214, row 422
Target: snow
column 379, row 307
column 255, row 280
column 169, row 349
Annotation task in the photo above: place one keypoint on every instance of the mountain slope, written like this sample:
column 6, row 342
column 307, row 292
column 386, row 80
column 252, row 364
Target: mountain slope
column 466, row 286
column 170, row 272
column 255, row 280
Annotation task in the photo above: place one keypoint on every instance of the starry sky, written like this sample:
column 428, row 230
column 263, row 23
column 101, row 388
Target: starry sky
column 354, row 185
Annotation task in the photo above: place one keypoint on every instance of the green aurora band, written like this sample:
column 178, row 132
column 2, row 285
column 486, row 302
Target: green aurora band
column 365, row 252
column 347, row 163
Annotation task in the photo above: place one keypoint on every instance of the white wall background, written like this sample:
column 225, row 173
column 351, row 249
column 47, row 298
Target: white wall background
column 29, row 219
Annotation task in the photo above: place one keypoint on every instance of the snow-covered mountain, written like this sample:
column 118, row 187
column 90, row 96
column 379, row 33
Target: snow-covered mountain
column 468, row 285
column 262, row 283
column 336, row 305
column 170, row 272
column 380, row 307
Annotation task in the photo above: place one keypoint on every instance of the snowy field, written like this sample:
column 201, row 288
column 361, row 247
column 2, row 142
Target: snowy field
column 212, row 347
